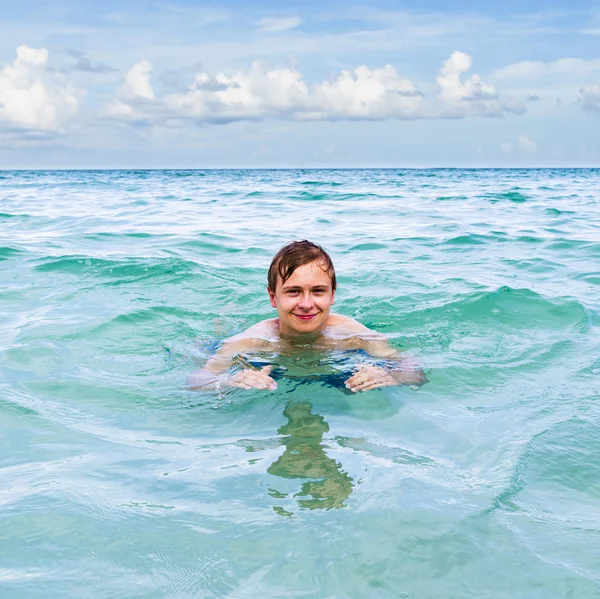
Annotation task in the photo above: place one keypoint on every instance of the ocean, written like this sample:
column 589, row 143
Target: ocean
column 117, row 481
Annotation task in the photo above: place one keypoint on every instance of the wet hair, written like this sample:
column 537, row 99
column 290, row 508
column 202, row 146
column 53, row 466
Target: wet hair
column 296, row 254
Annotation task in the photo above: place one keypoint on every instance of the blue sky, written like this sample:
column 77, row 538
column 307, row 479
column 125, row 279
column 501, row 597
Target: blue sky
column 182, row 84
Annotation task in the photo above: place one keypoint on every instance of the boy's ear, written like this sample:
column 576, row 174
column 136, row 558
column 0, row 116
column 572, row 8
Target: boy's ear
column 272, row 298
column 332, row 297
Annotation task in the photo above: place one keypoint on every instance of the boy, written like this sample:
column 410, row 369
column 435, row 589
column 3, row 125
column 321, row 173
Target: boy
column 301, row 287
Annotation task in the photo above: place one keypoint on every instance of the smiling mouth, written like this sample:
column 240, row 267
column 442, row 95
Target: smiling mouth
column 305, row 316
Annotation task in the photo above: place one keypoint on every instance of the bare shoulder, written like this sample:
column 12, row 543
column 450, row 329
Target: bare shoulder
column 336, row 320
column 257, row 337
column 345, row 326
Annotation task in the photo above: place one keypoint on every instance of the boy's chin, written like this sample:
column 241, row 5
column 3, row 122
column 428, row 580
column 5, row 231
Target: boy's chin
column 300, row 329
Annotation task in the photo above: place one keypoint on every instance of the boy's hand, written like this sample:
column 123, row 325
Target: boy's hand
column 253, row 379
column 370, row 377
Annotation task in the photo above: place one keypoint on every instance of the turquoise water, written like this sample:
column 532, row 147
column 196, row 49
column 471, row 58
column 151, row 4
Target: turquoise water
column 118, row 482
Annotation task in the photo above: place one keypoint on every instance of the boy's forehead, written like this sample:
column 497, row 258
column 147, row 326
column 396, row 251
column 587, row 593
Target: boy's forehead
column 315, row 272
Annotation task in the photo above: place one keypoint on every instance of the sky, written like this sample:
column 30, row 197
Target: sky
column 186, row 84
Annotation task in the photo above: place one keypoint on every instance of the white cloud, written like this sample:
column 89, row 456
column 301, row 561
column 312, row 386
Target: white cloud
column 263, row 92
column 270, row 24
column 506, row 147
column 33, row 97
column 135, row 91
column 558, row 84
column 453, row 89
column 470, row 97
column 575, row 67
column 366, row 94
column 137, row 83
column 590, row 98
column 121, row 111
column 526, row 145
column 256, row 94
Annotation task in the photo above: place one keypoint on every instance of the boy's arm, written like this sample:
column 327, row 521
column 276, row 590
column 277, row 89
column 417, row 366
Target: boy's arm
column 403, row 370
column 215, row 373
column 406, row 370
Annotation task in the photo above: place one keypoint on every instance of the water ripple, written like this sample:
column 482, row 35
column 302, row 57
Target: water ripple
column 118, row 481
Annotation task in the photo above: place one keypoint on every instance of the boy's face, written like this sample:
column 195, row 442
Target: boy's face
column 304, row 300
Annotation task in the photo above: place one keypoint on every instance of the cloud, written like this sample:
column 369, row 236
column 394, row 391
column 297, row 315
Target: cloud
column 137, row 82
column 526, row 145
column 133, row 97
column 270, row 24
column 577, row 67
column 470, row 97
column 453, row 89
column 83, row 64
column 589, row 98
column 354, row 94
column 255, row 94
column 34, row 97
column 366, row 94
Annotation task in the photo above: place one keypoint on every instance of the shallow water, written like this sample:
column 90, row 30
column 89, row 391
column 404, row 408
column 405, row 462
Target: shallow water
column 118, row 482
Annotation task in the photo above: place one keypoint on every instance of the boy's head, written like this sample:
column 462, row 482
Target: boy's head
column 295, row 254
column 302, row 288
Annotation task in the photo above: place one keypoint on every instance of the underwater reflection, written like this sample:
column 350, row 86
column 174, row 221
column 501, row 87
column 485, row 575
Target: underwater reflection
column 304, row 457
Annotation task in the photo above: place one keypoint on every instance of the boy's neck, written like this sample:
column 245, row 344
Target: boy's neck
column 300, row 339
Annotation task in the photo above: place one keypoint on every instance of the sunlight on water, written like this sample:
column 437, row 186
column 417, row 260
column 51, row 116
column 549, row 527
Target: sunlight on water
column 119, row 482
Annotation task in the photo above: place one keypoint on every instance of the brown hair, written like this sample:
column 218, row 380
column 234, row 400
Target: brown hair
column 295, row 254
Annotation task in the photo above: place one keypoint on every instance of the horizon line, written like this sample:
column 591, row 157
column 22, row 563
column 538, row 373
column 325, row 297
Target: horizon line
column 300, row 168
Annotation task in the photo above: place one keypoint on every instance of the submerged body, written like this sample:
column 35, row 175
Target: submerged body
column 340, row 333
column 303, row 302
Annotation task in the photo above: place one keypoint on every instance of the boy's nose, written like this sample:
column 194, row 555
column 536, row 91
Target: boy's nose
column 306, row 301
